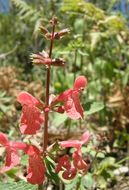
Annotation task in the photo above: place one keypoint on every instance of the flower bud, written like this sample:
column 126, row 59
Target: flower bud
column 58, row 62
column 41, row 59
column 43, row 30
column 61, row 109
column 54, row 21
column 61, row 33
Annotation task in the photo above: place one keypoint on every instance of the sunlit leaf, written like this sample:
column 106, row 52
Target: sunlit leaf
column 94, row 107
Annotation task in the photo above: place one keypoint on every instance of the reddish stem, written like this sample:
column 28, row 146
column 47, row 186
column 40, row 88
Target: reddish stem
column 45, row 139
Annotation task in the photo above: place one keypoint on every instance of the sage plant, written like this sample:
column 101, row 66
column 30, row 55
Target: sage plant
column 36, row 113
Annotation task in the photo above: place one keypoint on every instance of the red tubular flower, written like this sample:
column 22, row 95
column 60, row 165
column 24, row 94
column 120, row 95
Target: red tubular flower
column 63, row 162
column 78, row 162
column 12, row 157
column 69, row 172
column 71, row 100
column 36, row 169
column 31, row 118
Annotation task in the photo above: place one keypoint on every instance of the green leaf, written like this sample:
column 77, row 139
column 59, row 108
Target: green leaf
column 95, row 38
column 59, row 119
column 100, row 155
column 72, row 184
column 24, row 160
column 51, row 170
column 94, row 107
column 105, row 164
column 17, row 186
column 102, row 182
column 87, row 181
column 125, row 78
column 11, row 173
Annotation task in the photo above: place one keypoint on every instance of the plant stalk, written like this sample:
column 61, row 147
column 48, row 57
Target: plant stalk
column 45, row 139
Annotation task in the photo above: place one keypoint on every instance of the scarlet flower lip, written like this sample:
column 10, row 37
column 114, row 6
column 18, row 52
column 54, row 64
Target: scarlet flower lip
column 32, row 117
column 24, row 98
column 70, row 98
column 36, row 168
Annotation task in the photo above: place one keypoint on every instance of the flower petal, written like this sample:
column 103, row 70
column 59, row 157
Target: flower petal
column 26, row 99
column 63, row 162
column 73, row 107
column 80, row 82
column 79, row 163
column 36, row 170
column 85, row 137
column 76, row 143
column 12, row 159
column 64, row 165
column 18, row 145
column 3, row 139
column 31, row 149
column 31, row 120
column 70, row 173
column 71, row 143
column 64, row 95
